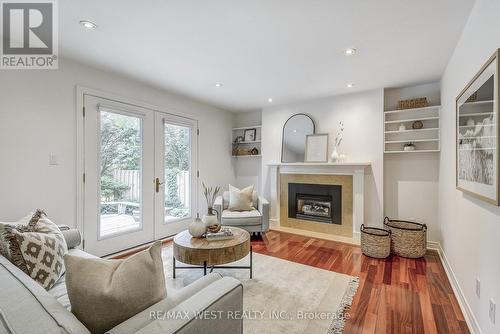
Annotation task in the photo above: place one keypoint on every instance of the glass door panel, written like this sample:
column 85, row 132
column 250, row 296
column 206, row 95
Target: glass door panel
column 177, row 170
column 121, row 174
column 177, row 201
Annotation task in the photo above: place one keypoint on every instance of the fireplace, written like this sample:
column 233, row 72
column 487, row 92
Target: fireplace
column 315, row 202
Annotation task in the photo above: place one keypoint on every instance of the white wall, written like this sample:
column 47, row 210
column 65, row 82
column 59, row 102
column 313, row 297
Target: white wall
column 38, row 117
column 470, row 227
column 248, row 170
column 363, row 137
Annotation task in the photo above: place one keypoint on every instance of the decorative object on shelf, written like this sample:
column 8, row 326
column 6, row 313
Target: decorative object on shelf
column 211, row 219
column 295, row 130
column 335, row 156
column 408, row 239
column 417, row 125
column 402, row 127
column 238, row 139
column 240, row 151
column 197, row 228
column 419, row 102
column 317, row 148
column 470, row 122
column 250, row 135
column 473, row 98
column 375, row 242
column 477, row 149
column 409, row 147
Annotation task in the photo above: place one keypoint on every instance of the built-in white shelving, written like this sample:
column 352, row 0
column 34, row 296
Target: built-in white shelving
column 247, row 128
column 399, row 131
column 415, row 151
column 412, row 110
column 248, row 144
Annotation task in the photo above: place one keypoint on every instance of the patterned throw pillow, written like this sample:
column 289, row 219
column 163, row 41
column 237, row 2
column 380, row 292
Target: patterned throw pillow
column 21, row 224
column 39, row 251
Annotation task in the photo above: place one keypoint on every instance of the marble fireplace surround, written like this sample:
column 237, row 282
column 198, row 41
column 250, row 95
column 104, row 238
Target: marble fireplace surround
column 348, row 174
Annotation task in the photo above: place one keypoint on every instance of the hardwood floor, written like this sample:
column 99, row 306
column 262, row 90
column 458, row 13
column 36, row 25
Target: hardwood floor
column 395, row 295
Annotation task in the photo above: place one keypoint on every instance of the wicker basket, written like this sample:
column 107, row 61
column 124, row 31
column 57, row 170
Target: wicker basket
column 408, row 239
column 375, row 242
column 413, row 103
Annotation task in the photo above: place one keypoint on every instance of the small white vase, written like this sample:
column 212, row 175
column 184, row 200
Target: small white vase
column 335, row 155
column 197, row 228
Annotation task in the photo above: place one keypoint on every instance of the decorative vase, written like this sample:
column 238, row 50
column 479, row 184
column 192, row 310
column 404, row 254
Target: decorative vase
column 402, row 127
column 417, row 125
column 409, row 147
column 197, row 228
column 211, row 221
column 335, row 155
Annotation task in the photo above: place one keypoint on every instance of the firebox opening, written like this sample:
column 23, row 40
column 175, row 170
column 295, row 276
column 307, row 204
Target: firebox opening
column 315, row 202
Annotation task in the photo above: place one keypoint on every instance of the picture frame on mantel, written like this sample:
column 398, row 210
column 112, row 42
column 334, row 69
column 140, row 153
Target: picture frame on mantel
column 317, row 148
column 477, row 134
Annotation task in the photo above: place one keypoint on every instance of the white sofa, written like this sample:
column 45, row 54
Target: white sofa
column 25, row 307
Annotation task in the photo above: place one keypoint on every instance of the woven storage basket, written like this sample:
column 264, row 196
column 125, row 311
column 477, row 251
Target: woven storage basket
column 408, row 239
column 375, row 242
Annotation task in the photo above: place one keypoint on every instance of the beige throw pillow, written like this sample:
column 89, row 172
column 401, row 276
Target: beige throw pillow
column 104, row 293
column 240, row 200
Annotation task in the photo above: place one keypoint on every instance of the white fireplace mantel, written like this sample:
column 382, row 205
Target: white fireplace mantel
column 332, row 164
column 354, row 168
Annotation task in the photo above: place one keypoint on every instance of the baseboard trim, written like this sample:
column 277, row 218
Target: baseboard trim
column 470, row 319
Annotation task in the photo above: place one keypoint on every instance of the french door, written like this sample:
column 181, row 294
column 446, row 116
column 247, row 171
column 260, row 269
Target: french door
column 140, row 175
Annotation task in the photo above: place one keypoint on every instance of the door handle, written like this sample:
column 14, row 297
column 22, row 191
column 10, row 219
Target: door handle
column 158, row 184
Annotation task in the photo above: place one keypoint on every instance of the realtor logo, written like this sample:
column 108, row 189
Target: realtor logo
column 29, row 35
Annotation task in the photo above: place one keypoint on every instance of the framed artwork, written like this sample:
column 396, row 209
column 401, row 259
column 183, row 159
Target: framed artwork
column 250, row 134
column 477, row 139
column 317, row 148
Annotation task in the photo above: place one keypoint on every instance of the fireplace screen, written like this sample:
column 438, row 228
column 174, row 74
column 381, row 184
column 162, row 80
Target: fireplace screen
column 314, row 206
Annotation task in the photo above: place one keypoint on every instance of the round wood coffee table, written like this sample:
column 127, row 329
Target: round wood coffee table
column 202, row 253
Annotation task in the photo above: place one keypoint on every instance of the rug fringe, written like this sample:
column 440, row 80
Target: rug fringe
column 337, row 326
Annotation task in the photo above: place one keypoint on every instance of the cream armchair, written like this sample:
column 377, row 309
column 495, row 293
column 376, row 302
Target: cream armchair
column 254, row 221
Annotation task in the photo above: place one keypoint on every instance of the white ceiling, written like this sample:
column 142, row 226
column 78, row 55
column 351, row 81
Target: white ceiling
column 284, row 49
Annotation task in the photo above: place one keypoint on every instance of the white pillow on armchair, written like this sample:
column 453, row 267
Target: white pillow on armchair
column 240, row 200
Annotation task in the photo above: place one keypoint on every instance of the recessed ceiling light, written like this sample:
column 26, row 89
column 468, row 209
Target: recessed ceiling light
column 88, row 24
column 350, row 52
column 218, row 85
column 270, row 100
column 350, row 85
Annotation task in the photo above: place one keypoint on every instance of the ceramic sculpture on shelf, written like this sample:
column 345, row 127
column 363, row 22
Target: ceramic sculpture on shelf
column 402, row 127
column 338, row 140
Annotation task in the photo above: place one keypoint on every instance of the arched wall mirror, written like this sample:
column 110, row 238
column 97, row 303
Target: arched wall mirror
column 293, row 143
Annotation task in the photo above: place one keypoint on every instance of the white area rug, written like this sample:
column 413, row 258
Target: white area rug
column 283, row 296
